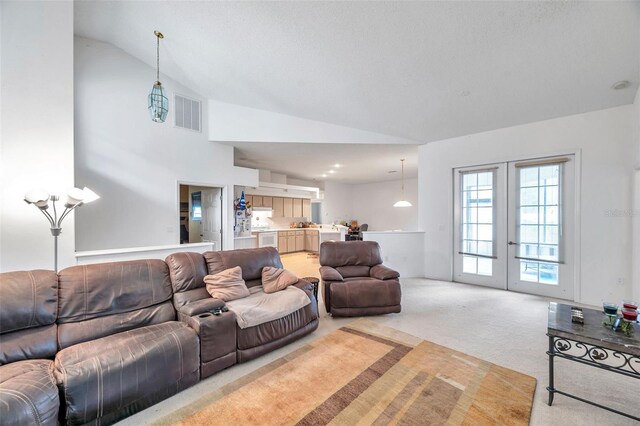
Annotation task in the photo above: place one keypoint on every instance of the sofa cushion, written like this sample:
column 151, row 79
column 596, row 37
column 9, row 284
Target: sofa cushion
column 354, row 253
column 353, row 271
column 365, row 293
column 227, row 285
column 28, row 393
column 118, row 296
column 113, row 377
column 28, row 311
column 273, row 330
column 29, row 299
column 187, row 271
column 276, row 279
column 250, row 260
column 261, row 307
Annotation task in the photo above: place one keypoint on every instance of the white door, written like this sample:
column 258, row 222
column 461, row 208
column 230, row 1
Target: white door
column 541, row 227
column 514, row 226
column 480, row 206
column 211, row 223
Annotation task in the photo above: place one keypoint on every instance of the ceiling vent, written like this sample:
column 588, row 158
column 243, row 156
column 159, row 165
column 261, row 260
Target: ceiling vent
column 187, row 113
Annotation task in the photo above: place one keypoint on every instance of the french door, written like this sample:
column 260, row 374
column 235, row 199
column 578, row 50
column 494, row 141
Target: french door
column 514, row 226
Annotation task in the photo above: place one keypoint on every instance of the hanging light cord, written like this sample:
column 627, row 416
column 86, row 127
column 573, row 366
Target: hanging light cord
column 158, row 58
column 402, row 163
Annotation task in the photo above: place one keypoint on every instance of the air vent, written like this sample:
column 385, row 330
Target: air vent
column 187, row 113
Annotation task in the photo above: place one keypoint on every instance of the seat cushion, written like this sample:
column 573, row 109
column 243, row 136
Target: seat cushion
column 364, row 293
column 115, row 376
column 28, row 393
column 274, row 330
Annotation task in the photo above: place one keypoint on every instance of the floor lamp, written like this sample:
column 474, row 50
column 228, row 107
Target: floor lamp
column 75, row 198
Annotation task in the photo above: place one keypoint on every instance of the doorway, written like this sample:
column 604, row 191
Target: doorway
column 201, row 215
column 514, row 226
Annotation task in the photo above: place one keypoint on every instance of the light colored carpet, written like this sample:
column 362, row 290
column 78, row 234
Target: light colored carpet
column 505, row 328
column 369, row 374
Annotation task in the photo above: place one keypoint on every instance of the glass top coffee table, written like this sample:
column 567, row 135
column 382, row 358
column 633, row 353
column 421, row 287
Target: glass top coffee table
column 591, row 344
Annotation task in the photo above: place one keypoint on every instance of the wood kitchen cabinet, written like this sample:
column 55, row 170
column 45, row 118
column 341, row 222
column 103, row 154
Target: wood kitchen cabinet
column 291, row 241
column 267, row 201
column 306, row 209
column 283, row 246
column 300, row 240
column 257, row 201
column 248, row 199
column 288, row 207
column 297, row 207
column 278, row 207
column 312, row 241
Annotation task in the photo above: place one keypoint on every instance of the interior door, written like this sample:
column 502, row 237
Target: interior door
column 541, row 227
column 211, row 223
column 480, row 232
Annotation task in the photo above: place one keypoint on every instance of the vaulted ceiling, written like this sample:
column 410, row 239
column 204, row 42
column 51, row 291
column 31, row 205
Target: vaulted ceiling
column 420, row 70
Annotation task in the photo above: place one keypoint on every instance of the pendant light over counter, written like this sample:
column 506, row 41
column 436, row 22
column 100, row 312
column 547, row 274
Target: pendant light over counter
column 158, row 102
column 403, row 202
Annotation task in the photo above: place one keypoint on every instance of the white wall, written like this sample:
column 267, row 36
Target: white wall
column 604, row 139
column 229, row 122
column 133, row 163
column 36, row 136
column 337, row 203
column 372, row 203
column 401, row 251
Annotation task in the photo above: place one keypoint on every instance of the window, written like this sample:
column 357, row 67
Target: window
column 539, row 226
column 196, row 205
column 477, row 236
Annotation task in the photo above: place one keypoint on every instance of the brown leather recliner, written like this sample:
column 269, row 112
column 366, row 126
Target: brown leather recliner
column 28, row 311
column 355, row 282
column 121, row 349
column 222, row 340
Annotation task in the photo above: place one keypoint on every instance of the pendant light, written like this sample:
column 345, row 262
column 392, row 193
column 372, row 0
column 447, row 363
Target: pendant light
column 158, row 102
column 403, row 202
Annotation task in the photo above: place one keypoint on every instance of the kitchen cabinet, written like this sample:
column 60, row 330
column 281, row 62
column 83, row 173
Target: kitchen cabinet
column 306, row 209
column 283, row 247
column 288, row 207
column 297, row 207
column 267, row 201
column 257, row 201
column 300, row 240
column 248, row 199
column 291, row 241
column 278, row 207
column 311, row 241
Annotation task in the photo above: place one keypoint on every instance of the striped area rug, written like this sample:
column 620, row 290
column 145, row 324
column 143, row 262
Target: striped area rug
column 369, row 374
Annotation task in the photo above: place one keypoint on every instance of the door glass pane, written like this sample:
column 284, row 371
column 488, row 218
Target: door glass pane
column 477, row 221
column 539, row 222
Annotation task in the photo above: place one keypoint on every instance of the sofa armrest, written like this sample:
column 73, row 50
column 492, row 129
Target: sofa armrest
column 217, row 333
column 381, row 272
column 200, row 306
column 330, row 274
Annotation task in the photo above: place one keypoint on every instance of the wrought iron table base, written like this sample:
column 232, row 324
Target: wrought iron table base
column 627, row 365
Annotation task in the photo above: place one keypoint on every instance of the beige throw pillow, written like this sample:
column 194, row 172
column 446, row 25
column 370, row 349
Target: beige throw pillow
column 227, row 285
column 276, row 279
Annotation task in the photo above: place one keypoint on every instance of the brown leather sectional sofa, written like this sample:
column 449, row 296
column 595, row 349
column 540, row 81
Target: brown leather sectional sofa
column 97, row 343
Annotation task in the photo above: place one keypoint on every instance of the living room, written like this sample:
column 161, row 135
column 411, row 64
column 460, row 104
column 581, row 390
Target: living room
column 287, row 92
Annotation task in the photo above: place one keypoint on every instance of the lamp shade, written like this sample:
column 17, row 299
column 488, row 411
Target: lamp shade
column 158, row 103
column 39, row 197
column 77, row 196
column 402, row 203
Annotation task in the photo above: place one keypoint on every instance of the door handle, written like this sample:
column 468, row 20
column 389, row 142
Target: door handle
column 511, row 243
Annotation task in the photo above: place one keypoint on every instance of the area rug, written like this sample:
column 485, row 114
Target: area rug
column 368, row 374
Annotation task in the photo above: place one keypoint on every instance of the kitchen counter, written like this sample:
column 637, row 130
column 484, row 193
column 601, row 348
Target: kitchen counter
column 246, row 237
